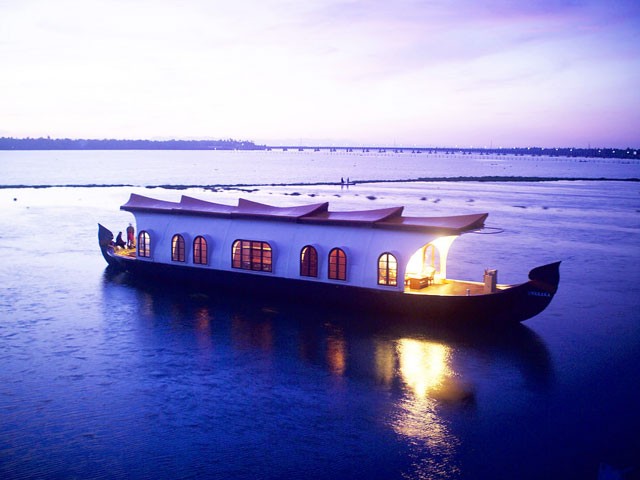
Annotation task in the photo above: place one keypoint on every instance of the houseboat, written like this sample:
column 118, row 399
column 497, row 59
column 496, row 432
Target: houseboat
column 372, row 260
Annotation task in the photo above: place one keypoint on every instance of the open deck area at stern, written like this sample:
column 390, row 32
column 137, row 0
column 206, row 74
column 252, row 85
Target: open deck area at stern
column 452, row 287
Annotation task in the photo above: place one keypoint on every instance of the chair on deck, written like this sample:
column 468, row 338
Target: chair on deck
column 422, row 280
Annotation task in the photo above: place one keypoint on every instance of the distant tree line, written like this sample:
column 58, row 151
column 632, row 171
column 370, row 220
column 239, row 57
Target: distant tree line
column 8, row 143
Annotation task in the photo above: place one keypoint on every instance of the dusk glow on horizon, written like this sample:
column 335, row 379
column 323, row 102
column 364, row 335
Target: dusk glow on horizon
column 497, row 73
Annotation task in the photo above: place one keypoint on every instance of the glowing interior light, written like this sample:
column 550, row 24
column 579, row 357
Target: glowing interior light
column 443, row 244
column 423, row 260
column 415, row 264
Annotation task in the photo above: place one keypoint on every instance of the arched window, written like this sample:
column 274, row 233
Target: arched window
column 308, row 262
column 251, row 255
column 177, row 248
column 200, row 250
column 337, row 264
column 387, row 270
column 144, row 244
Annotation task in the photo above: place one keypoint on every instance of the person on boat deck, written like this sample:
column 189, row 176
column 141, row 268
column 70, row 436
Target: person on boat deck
column 130, row 240
column 120, row 241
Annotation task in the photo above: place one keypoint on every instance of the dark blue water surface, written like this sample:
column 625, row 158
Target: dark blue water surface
column 104, row 377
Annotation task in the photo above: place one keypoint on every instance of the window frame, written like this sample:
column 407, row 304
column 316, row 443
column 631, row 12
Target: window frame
column 337, row 268
column 387, row 276
column 309, row 261
column 178, row 248
column 144, row 244
column 252, row 255
column 200, row 251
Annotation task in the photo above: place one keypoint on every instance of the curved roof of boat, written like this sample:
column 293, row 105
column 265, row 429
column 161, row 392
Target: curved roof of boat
column 318, row 213
column 457, row 222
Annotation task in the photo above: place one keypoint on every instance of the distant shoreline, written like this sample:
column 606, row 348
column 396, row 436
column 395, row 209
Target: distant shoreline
column 29, row 144
column 8, row 143
column 253, row 187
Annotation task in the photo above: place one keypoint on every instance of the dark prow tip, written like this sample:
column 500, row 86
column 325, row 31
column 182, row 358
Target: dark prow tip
column 547, row 276
column 104, row 236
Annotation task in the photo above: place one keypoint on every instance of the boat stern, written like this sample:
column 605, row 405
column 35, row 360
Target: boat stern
column 105, row 240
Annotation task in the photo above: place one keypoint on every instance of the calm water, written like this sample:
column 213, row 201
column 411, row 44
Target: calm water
column 105, row 378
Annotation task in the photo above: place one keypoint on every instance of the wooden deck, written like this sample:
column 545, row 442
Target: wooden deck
column 125, row 252
column 452, row 287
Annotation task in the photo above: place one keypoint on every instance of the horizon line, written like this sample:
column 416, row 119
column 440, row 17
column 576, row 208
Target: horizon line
column 324, row 146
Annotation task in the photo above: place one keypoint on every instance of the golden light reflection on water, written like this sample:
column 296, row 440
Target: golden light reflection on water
column 423, row 365
column 385, row 364
column 425, row 370
column 203, row 328
column 337, row 352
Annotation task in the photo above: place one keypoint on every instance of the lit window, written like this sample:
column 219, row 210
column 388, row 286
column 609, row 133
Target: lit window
column 337, row 264
column 251, row 255
column 200, row 251
column 177, row 248
column 387, row 270
column 144, row 244
column 309, row 262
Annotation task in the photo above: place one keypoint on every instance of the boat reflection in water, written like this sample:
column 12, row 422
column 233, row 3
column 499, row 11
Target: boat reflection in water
column 337, row 374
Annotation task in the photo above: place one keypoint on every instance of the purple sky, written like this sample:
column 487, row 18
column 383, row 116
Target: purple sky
column 445, row 73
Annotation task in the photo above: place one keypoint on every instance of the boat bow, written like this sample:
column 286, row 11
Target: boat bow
column 546, row 277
